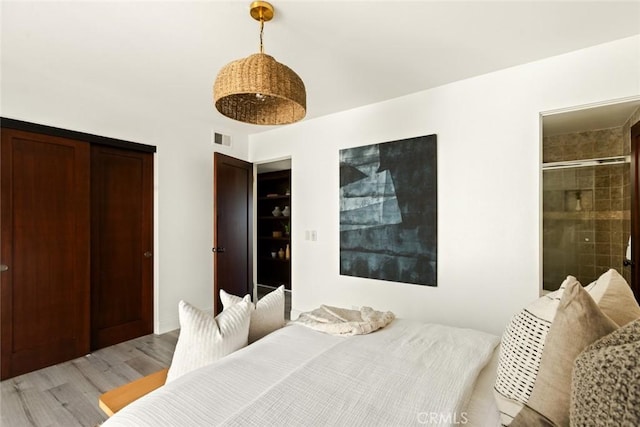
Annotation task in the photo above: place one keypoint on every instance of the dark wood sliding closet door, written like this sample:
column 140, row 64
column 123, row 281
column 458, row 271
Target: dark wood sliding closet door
column 44, row 250
column 121, row 245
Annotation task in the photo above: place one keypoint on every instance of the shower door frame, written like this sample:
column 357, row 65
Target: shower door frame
column 635, row 210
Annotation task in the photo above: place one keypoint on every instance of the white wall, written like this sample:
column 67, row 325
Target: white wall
column 488, row 149
column 488, row 184
column 183, row 173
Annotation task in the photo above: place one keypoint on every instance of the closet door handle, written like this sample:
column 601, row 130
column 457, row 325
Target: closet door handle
column 147, row 254
column 217, row 250
column 4, row 267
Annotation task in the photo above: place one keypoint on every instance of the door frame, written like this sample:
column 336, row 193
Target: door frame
column 635, row 277
column 635, row 209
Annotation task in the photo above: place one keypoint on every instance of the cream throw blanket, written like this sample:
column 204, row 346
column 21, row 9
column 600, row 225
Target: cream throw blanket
column 342, row 321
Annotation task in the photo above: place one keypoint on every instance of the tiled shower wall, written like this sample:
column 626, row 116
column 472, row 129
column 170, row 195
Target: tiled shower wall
column 586, row 210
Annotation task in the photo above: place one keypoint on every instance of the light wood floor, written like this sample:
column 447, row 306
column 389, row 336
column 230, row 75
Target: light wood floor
column 67, row 394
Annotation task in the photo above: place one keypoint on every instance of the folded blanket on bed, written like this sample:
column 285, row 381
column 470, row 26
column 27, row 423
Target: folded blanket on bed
column 342, row 321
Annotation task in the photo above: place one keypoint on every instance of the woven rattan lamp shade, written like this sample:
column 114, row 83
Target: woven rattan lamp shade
column 260, row 90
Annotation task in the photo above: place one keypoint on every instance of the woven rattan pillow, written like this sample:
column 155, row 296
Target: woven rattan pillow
column 526, row 336
column 605, row 387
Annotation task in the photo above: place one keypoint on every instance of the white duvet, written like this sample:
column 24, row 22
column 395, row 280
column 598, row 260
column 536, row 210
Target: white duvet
column 408, row 373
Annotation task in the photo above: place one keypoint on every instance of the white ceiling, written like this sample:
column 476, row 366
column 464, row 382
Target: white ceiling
column 165, row 55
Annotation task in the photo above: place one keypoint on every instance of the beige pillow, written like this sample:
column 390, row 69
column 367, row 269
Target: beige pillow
column 204, row 339
column 614, row 297
column 526, row 339
column 266, row 316
column 578, row 323
column 605, row 388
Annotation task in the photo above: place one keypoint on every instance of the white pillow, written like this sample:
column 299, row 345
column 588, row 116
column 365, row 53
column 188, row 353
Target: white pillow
column 204, row 339
column 267, row 315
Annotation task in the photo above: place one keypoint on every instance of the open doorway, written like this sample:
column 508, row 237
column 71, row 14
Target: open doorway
column 274, row 249
column 588, row 203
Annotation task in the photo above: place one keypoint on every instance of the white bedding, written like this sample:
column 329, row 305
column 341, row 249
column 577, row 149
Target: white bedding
column 408, row 373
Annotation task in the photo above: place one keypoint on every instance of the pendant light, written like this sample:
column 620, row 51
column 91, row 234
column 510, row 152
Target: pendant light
column 258, row 89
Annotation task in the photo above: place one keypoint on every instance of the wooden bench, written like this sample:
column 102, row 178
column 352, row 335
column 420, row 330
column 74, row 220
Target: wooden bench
column 116, row 399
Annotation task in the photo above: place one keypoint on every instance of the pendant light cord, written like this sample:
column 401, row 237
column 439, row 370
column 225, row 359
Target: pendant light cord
column 261, row 33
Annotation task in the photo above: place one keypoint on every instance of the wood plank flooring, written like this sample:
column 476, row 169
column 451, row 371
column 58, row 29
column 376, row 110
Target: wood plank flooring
column 67, row 394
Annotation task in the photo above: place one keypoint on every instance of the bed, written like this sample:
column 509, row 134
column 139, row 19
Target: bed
column 409, row 373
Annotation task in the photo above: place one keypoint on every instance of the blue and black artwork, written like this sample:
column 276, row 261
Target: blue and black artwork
column 388, row 211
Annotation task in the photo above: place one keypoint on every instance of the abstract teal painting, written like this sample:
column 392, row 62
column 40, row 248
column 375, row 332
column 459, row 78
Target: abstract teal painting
column 388, row 211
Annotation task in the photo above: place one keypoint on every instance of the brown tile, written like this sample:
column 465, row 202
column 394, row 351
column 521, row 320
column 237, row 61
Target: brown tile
column 603, row 260
column 552, row 180
column 586, row 272
column 569, row 179
column 587, row 260
column 570, row 151
column 617, row 180
column 616, row 192
column 586, row 182
column 603, row 237
column 603, row 248
column 617, row 169
column 602, row 193
column 552, row 153
column 602, row 181
column 602, row 205
column 617, row 204
column 587, row 248
column 616, row 262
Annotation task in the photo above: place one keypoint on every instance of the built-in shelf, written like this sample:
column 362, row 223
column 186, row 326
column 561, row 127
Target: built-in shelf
column 271, row 190
column 268, row 258
column 278, row 197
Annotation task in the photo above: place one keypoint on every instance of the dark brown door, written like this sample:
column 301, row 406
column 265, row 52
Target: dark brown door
column 121, row 245
column 44, row 226
column 635, row 210
column 232, row 225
